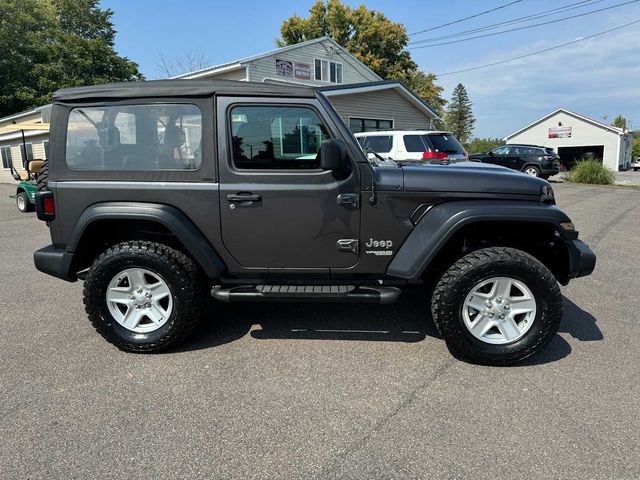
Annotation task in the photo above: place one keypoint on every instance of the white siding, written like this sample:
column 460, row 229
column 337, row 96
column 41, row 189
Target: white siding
column 383, row 105
column 238, row 74
column 352, row 71
column 582, row 134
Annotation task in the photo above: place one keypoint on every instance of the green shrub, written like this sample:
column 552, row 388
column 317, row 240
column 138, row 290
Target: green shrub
column 591, row 171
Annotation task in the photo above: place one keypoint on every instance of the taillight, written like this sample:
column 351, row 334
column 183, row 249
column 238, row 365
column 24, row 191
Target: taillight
column 48, row 206
column 45, row 205
column 434, row 156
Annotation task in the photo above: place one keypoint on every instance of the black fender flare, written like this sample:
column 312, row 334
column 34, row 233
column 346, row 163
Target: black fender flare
column 170, row 217
column 442, row 221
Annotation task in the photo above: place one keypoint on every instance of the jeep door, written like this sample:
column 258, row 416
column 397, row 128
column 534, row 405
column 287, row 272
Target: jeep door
column 278, row 208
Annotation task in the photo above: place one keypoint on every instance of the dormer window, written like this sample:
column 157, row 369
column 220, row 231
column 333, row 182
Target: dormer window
column 328, row 71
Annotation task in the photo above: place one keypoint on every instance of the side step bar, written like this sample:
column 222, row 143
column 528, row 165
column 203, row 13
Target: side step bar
column 306, row 293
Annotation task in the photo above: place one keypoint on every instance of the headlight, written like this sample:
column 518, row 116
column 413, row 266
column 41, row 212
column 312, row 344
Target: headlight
column 546, row 194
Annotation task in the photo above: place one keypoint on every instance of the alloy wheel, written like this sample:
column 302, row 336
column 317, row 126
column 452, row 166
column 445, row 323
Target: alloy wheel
column 499, row 310
column 139, row 300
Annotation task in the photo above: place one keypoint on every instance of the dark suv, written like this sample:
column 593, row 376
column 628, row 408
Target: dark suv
column 161, row 194
column 531, row 159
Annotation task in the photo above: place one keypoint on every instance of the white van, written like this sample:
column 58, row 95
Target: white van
column 426, row 146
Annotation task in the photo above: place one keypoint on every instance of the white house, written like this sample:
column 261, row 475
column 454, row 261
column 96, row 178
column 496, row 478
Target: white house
column 575, row 136
column 362, row 98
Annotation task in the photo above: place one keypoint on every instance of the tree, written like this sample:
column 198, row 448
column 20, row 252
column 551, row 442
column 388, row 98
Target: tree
column 370, row 36
column 181, row 64
column 50, row 44
column 620, row 122
column 459, row 117
column 424, row 84
column 482, row 145
column 636, row 145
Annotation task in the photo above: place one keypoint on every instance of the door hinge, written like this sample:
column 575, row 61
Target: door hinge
column 350, row 199
column 348, row 245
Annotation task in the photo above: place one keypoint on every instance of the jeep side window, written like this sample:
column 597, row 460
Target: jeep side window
column 276, row 137
column 135, row 137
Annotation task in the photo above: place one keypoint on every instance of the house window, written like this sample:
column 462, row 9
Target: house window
column 5, row 152
column 327, row 71
column 28, row 155
column 369, row 124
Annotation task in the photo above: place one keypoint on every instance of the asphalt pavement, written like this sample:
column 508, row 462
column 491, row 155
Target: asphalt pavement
column 323, row 391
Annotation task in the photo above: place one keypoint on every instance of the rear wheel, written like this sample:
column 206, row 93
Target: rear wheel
column 144, row 296
column 23, row 203
column 497, row 306
column 532, row 170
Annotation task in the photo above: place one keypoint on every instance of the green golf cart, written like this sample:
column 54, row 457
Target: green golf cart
column 27, row 186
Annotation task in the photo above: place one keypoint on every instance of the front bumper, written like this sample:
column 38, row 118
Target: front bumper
column 582, row 260
column 54, row 261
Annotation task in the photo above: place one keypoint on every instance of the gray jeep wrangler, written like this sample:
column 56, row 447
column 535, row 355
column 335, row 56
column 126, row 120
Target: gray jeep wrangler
column 161, row 193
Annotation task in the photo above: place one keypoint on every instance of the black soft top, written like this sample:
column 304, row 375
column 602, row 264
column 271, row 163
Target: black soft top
column 180, row 88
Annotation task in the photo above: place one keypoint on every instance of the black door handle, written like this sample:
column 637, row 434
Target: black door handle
column 242, row 197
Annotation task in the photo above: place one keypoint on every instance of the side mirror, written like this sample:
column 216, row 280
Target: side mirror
column 333, row 155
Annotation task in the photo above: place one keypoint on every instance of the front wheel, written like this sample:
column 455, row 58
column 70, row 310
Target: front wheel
column 23, row 203
column 497, row 306
column 144, row 296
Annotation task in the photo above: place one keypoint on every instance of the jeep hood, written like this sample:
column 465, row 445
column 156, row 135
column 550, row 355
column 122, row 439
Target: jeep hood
column 472, row 177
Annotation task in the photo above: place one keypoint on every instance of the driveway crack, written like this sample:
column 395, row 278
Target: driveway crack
column 328, row 472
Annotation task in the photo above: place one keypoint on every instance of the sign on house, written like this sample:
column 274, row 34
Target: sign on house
column 303, row 71
column 560, row 132
column 284, row 68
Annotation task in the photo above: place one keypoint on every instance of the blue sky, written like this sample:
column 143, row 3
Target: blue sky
column 598, row 78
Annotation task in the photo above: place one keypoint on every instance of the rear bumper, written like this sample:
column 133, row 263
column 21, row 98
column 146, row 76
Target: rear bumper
column 54, row 261
column 550, row 169
column 582, row 260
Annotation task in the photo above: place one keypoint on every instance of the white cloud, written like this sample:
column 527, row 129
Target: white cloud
column 596, row 77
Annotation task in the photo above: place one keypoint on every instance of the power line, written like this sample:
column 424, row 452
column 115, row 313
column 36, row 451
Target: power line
column 525, row 27
column 539, row 51
column 466, row 18
column 526, row 18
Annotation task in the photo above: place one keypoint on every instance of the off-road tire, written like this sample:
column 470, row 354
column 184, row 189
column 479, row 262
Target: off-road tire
column 456, row 283
column 181, row 273
column 43, row 176
column 24, row 198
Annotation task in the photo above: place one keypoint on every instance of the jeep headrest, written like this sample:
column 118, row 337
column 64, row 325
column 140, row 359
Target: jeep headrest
column 108, row 136
column 173, row 136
